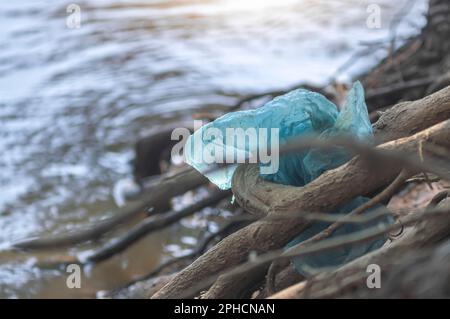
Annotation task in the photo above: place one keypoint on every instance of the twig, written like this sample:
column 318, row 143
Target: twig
column 167, row 187
column 325, row 245
column 151, row 224
column 398, row 18
column 373, row 155
column 384, row 195
column 419, row 179
column 439, row 197
column 398, row 88
column 200, row 249
column 319, row 195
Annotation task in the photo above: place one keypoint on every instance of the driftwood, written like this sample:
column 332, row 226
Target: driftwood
column 323, row 194
column 171, row 265
column 219, row 289
column 419, row 68
column 253, row 180
column 385, row 194
column 418, row 129
column 350, row 280
column 354, row 238
column 402, row 120
column 162, row 190
column 151, row 224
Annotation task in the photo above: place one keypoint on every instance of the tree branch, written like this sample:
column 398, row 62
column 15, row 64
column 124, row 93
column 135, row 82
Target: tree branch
column 322, row 195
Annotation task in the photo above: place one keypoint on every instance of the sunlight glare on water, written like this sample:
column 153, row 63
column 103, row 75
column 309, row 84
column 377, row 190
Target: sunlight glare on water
column 74, row 101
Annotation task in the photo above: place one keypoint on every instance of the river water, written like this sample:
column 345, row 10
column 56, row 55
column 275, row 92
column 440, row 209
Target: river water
column 74, row 101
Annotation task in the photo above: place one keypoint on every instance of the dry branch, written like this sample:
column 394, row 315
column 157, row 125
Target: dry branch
column 350, row 279
column 151, row 224
column 200, row 249
column 323, row 246
column 322, row 195
column 162, row 191
column 385, row 194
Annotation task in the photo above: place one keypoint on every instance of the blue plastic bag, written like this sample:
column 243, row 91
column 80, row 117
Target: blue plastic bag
column 297, row 113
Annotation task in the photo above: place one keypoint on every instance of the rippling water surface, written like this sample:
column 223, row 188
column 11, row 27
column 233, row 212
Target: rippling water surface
column 73, row 102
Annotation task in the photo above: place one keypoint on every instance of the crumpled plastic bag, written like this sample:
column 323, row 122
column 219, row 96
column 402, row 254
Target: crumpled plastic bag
column 298, row 113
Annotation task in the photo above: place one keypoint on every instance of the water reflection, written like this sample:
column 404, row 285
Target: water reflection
column 73, row 101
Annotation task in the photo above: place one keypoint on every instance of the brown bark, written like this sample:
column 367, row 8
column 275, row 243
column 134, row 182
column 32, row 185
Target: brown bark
column 321, row 195
column 350, row 280
column 419, row 68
